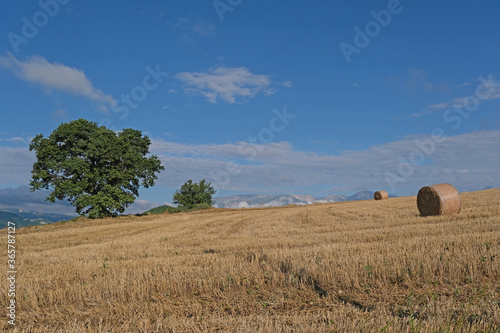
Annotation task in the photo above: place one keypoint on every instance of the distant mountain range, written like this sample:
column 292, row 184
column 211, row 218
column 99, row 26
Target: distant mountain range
column 25, row 219
column 260, row 200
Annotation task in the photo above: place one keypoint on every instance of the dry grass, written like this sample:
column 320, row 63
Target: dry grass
column 362, row 266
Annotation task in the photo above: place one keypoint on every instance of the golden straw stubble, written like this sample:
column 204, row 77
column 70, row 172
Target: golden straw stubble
column 440, row 199
column 381, row 195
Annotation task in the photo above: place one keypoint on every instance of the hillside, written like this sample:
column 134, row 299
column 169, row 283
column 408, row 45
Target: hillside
column 361, row 266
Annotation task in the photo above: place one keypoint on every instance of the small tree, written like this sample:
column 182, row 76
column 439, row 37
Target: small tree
column 192, row 194
column 97, row 170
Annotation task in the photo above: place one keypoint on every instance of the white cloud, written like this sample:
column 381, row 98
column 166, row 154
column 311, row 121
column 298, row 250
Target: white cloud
column 486, row 89
column 419, row 80
column 203, row 29
column 191, row 28
column 465, row 161
column 16, row 140
column 228, row 84
column 55, row 76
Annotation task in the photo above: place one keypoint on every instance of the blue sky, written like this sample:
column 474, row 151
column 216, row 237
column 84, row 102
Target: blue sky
column 264, row 97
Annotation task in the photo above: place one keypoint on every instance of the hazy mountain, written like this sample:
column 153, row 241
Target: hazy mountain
column 260, row 200
column 24, row 219
column 306, row 198
column 257, row 200
column 363, row 195
column 46, row 216
column 335, row 198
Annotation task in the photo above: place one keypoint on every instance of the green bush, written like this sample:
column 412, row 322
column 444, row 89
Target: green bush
column 202, row 205
column 192, row 194
column 172, row 210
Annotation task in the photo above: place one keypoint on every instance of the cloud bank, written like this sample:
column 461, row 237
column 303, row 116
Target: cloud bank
column 20, row 198
column 15, row 165
column 467, row 161
column 464, row 160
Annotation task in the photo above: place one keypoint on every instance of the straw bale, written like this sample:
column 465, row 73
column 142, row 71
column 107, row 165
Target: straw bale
column 440, row 199
column 381, row 195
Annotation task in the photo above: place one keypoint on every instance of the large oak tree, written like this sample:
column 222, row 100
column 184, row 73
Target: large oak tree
column 97, row 170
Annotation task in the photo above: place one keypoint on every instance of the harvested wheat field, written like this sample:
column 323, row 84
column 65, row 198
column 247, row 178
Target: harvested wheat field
column 361, row 266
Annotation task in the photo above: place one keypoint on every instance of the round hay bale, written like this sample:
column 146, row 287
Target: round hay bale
column 440, row 199
column 381, row 195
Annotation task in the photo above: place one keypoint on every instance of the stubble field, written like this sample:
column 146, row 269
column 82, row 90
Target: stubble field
column 364, row 266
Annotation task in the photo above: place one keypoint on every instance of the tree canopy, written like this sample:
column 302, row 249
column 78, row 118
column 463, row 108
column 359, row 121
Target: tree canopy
column 97, row 170
column 192, row 194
